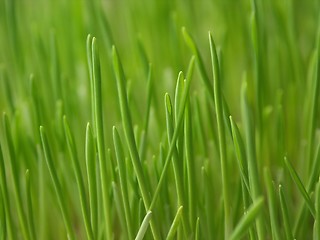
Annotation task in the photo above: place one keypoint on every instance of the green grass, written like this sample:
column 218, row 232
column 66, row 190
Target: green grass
column 127, row 120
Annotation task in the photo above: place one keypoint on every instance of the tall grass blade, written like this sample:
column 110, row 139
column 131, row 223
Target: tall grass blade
column 144, row 226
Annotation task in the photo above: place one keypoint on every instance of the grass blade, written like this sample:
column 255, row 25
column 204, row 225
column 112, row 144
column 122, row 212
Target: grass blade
column 5, row 197
column 91, row 175
column 175, row 224
column 285, row 215
column 176, row 132
column 123, row 181
column 144, row 226
column 128, row 130
column 98, row 117
column 56, row 183
column 15, row 178
column 221, row 134
column 29, row 206
column 251, row 155
column 78, row 175
column 247, row 220
column 300, row 186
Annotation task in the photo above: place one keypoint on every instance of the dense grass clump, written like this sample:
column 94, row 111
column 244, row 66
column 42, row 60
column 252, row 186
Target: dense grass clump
column 172, row 119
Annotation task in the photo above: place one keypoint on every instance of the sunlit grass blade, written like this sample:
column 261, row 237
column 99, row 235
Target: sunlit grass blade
column 300, row 186
column 89, row 63
column 175, row 224
column 255, row 187
column 77, row 171
column 15, row 177
column 123, row 181
column 92, row 182
column 221, row 134
column 247, row 220
column 56, row 183
column 128, row 130
column 176, row 132
column 144, row 226
column 5, row 197
column 272, row 205
column 197, row 229
column 30, row 207
column 285, row 215
column 99, row 131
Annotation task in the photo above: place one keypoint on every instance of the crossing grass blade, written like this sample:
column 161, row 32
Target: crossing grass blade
column 300, row 186
column 56, row 183
column 285, row 215
column 79, row 179
column 144, row 226
column 123, row 181
column 247, row 220
column 175, row 224
column 128, row 130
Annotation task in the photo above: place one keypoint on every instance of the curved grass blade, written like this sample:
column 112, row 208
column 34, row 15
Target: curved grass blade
column 30, row 208
column 221, row 134
column 5, row 197
column 91, row 175
column 247, row 220
column 176, row 132
column 78, row 175
column 300, row 186
column 285, row 215
column 123, row 181
column 175, row 224
column 100, row 137
column 15, row 176
column 89, row 62
column 144, row 226
column 56, row 183
column 128, row 130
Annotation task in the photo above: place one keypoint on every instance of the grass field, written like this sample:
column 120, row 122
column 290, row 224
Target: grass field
column 171, row 119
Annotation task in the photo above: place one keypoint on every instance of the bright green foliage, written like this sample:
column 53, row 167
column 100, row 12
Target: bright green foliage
column 151, row 130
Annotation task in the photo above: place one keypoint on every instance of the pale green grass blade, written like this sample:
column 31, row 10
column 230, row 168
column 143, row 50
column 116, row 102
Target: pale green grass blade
column 285, row 215
column 15, row 177
column 128, row 130
column 144, row 226
column 99, row 131
column 300, row 186
column 56, row 183
column 248, row 219
column 5, row 197
column 79, row 179
column 123, row 181
column 30, row 207
column 197, row 231
column 89, row 63
column 92, row 179
column 272, row 205
column 175, row 224
column 221, row 134
column 176, row 132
